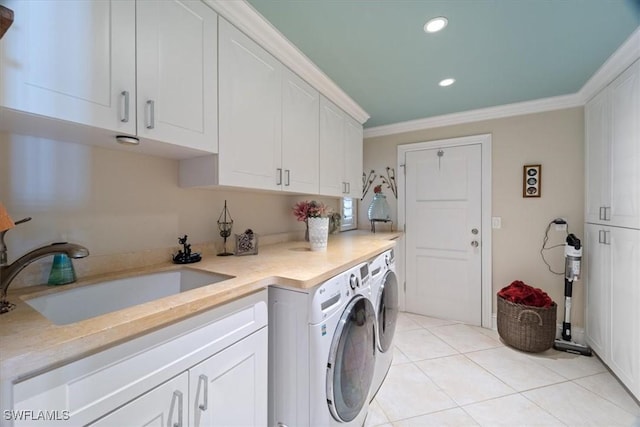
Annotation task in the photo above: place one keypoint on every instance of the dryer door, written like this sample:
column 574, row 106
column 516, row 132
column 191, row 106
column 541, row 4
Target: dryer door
column 351, row 360
column 387, row 310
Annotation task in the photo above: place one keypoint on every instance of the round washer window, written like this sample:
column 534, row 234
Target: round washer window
column 351, row 360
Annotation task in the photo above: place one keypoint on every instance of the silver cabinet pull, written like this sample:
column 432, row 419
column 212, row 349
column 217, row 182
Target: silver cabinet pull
column 287, row 177
column 607, row 213
column 348, row 187
column 475, row 243
column 601, row 213
column 279, row 176
column 607, row 237
column 125, row 106
column 205, row 401
column 177, row 395
column 600, row 236
column 151, row 106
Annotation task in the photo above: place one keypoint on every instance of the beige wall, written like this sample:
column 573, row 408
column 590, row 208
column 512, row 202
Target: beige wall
column 119, row 202
column 554, row 139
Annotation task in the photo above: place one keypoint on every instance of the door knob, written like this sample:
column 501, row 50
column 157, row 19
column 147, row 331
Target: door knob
column 474, row 231
column 474, row 243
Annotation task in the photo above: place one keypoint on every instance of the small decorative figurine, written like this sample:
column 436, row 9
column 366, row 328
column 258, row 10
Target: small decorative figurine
column 185, row 256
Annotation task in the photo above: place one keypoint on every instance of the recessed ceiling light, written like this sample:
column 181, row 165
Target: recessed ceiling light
column 447, row 82
column 436, row 24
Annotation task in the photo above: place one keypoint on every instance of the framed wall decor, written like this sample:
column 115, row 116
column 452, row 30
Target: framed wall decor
column 532, row 181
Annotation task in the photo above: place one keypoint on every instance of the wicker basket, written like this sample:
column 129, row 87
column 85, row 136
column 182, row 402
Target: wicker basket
column 526, row 328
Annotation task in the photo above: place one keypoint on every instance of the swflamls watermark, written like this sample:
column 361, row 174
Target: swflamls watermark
column 36, row 415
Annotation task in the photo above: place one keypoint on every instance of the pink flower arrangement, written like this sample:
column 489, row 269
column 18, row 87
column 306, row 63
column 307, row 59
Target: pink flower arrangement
column 310, row 209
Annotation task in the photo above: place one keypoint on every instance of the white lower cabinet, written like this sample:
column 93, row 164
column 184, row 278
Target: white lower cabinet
column 613, row 297
column 162, row 406
column 228, row 389
column 208, row 370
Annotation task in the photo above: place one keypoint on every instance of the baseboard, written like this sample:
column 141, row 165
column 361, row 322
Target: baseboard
column 577, row 334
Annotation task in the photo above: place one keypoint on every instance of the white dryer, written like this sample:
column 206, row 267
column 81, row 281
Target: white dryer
column 384, row 294
column 322, row 352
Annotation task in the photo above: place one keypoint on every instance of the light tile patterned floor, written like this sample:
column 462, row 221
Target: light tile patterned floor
column 451, row 374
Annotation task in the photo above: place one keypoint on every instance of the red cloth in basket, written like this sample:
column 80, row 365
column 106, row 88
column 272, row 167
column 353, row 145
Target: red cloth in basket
column 520, row 293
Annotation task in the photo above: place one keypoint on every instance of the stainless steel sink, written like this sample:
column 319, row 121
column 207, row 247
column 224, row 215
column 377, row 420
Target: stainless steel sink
column 85, row 302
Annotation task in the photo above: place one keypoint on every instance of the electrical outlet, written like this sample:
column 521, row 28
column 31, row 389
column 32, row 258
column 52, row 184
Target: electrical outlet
column 562, row 227
column 496, row 222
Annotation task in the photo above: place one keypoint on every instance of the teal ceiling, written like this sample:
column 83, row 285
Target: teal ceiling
column 499, row 51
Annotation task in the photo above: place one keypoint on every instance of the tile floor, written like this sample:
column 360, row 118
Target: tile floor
column 451, row 374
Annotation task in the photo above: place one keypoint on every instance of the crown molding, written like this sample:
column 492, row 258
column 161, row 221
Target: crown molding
column 619, row 61
column 501, row 111
column 249, row 21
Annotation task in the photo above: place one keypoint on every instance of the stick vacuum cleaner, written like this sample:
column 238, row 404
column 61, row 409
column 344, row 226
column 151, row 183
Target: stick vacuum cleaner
column 573, row 257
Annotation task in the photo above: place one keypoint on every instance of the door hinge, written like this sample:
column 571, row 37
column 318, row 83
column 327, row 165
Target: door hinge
column 404, row 168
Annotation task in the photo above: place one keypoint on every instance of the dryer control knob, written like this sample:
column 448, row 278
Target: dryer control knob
column 354, row 282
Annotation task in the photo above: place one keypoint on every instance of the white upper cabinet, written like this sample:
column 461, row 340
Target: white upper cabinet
column 145, row 68
column 331, row 149
column 353, row 157
column 250, row 112
column 613, row 152
column 72, row 61
column 300, row 135
column 340, row 152
column 177, row 73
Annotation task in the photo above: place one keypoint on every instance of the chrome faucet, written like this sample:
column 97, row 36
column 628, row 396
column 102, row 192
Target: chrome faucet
column 8, row 272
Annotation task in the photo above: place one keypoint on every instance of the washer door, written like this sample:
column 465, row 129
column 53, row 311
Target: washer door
column 351, row 360
column 387, row 310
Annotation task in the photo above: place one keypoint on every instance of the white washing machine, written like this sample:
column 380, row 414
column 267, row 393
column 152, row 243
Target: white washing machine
column 322, row 352
column 384, row 294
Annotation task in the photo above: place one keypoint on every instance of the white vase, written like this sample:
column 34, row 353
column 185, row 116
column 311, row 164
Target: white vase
column 318, row 233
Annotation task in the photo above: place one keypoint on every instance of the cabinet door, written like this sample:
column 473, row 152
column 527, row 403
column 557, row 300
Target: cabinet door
column 625, row 300
column 625, row 149
column 177, row 73
column 353, row 157
column 165, row 405
column 332, row 136
column 230, row 388
column 72, row 61
column 597, row 267
column 300, row 135
column 250, row 112
column 597, row 157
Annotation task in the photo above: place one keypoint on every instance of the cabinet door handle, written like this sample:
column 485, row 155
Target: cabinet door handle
column 278, row 176
column 177, row 395
column 600, row 213
column 205, row 401
column 287, row 177
column 125, row 106
column 600, row 236
column 344, row 187
column 151, row 106
column 607, row 213
column 348, row 187
column 607, row 237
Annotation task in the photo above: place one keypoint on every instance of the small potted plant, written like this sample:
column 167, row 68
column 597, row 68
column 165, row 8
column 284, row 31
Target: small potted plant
column 316, row 216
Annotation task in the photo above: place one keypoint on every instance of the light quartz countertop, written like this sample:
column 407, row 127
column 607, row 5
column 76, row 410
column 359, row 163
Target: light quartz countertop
column 30, row 344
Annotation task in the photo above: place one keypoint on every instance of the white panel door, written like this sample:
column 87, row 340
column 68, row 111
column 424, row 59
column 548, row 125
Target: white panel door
column 332, row 136
column 625, row 149
column 177, row 73
column 71, row 60
column 625, row 300
column 443, row 219
column 598, row 157
column 165, row 405
column 230, row 388
column 300, row 135
column 597, row 262
column 250, row 112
